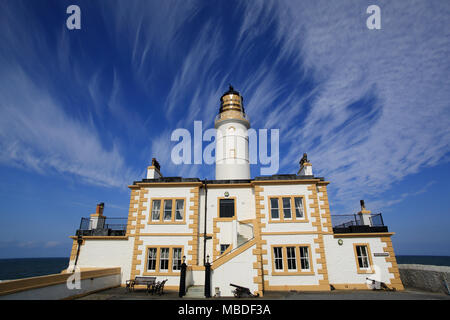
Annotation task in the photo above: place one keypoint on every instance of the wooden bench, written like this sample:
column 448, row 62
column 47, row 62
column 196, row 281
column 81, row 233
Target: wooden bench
column 140, row 280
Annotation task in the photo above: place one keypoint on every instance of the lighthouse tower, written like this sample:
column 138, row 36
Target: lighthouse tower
column 232, row 157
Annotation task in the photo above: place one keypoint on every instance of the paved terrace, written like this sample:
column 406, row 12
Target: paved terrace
column 120, row 293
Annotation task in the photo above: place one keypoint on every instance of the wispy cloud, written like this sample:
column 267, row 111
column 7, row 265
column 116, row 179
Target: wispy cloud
column 386, row 203
column 36, row 133
column 369, row 106
column 41, row 127
column 380, row 112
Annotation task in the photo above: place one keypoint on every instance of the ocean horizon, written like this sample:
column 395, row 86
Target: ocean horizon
column 19, row 268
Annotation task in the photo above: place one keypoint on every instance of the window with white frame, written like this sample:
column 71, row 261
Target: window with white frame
column 176, row 259
column 156, row 207
column 291, row 259
column 298, row 203
column 278, row 258
column 151, row 264
column 287, row 208
column 167, row 210
column 304, row 258
column 179, row 209
column 164, row 259
column 274, row 208
column 363, row 257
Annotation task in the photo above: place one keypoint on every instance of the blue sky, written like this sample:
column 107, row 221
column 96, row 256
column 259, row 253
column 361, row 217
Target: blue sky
column 82, row 112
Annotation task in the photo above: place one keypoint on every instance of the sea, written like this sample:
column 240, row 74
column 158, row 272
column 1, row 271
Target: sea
column 32, row 267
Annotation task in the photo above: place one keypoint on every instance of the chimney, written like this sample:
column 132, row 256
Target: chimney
column 97, row 219
column 364, row 215
column 153, row 171
column 99, row 210
column 305, row 166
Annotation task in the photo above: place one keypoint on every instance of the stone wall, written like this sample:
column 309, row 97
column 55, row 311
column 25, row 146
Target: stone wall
column 55, row 286
column 425, row 277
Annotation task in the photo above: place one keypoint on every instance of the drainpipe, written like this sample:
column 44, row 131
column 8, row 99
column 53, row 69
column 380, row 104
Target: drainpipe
column 80, row 242
column 204, row 233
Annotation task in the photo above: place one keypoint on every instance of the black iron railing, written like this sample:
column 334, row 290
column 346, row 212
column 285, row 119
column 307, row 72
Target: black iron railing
column 354, row 223
column 345, row 220
column 377, row 220
column 100, row 226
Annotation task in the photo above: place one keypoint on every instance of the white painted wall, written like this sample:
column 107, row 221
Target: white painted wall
column 238, row 270
column 107, row 254
column 341, row 260
column 167, row 192
column 245, row 209
column 276, row 280
column 286, row 190
column 232, row 158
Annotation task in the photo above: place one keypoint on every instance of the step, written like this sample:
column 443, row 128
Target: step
column 195, row 292
column 241, row 240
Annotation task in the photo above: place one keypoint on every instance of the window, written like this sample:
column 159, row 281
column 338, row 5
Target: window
column 278, row 258
column 304, row 258
column 179, row 209
column 363, row 260
column 226, row 208
column 176, row 257
column 164, row 259
column 298, row 204
column 167, row 211
column 274, row 209
column 291, row 207
column 291, row 261
column 151, row 265
column 223, row 248
column 156, row 207
column 287, row 208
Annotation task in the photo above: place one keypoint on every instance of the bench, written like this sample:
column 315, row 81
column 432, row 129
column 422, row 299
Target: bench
column 158, row 287
column 140, row 280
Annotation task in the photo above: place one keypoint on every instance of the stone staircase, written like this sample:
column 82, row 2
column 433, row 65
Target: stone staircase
column 195, row 292
column 241, row 240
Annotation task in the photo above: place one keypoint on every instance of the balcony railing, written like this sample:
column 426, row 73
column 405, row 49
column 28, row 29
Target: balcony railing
column 355, row 223
column 100, row 226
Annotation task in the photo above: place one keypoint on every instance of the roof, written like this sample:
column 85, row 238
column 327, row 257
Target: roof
column 230, row 181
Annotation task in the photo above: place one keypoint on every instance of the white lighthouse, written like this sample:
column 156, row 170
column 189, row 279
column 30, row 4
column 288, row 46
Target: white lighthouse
column 232, row 158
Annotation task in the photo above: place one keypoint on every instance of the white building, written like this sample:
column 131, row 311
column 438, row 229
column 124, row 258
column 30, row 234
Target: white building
column 270, row 233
